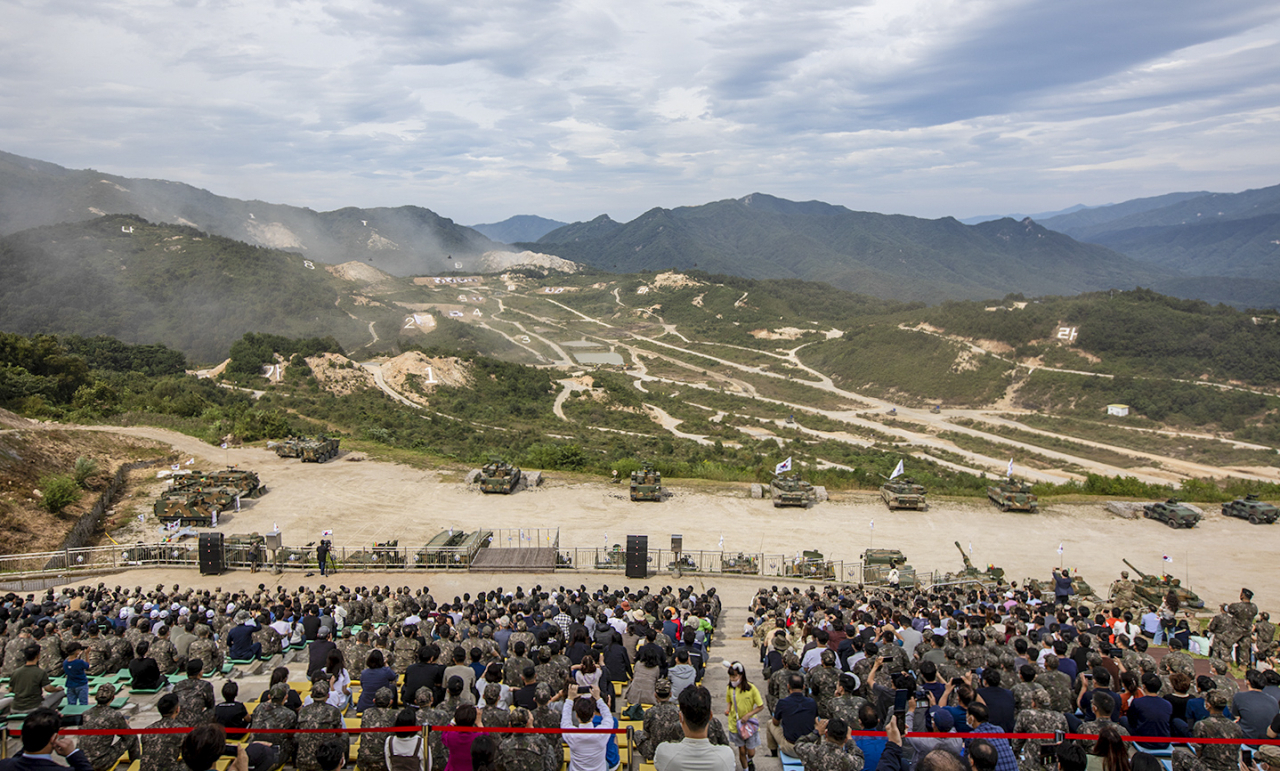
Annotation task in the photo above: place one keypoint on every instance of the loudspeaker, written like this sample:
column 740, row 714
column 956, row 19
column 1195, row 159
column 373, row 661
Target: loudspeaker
column 637, row 556
column 213, row 560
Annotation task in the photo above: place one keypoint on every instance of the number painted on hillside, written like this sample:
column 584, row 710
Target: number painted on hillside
column 308, row 264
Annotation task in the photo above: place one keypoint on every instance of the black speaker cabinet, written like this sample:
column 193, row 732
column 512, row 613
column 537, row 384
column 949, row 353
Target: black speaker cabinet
column 637, row 556
column 213, row 560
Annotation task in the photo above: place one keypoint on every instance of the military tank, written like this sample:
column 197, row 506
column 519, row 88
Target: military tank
column 876, row 564
column 646, row 484
column 1012, row 495
column 498, row 476
column 811, row 565
column 903, row 493
column 1080, row 586
column 743, row 563
column 1252, row 509
column 1152, row 589
column 196, row 506
column 383, row 556
column 245, row 481
column 791, row 490
column 991, row 576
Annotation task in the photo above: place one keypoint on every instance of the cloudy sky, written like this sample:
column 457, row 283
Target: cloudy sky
column 572, row 109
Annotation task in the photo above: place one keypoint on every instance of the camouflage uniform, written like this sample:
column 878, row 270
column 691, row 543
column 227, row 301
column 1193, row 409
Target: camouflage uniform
column 1211, row 757
column 406, row 654
column 822, row 682
column 317, row 714
column 1058, row 684
column 370, row 756
column 552, row 675
column 270, row 640
column 13, row 657
column 778, row 687
column 51, row 655
column 104, row 751
column 97, row 656
column 433, row 717
column 197, row 700
column 513, row 670
column 1025, row 695
column 520, row 752
column 120, row 655
column 207, row 651
column 165, row 654
column 1242, row 615
column 1179, row 661
column 1123, row 594
column 160, row 751
column 1093, row 728
column 1265, row 633
column 819, row 754
column 277, row 716
column 1035, row 721
column 661, row 724
column 846, row 708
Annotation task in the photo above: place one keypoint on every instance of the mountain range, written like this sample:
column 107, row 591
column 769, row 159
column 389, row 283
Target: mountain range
column 522, row 227
column 402, row 241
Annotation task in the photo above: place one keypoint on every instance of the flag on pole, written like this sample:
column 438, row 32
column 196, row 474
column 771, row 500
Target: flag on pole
column 176, row 467
column 782, row 467
column 224, row 445
column 190, row 461
column 722, row 542
column 897, row 470
column 275, row 526
column 1010, row 471
column 971, row 548
column 326, row 532
column 1168, row 559
column 873, row 524
column 1059, row 549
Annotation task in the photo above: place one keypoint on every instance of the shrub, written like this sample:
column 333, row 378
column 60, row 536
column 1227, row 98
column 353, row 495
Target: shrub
column 83, row 469
column 58, row 491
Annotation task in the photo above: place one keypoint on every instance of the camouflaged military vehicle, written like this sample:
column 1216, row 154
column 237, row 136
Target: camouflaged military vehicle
column 876, row 564
column 382, row 556
column 318, row 450
column 246, row 482
column 195, row 507
column 289, row 448
column 1252, row 509
column 791, row 491
column 903, row 493
column 1172, row 513
column 991, row 576
column 1152, row 589
column 498, row 476
column 646, row 484
column 1081, row 587
column 612, row 559
column 684, row 564
column 743, row 563
column 811, row 565
column 1012, row 495
column 238, row 547
column 441, row 549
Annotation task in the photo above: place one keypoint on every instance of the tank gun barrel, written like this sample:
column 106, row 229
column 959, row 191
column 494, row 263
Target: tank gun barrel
column 1130, row 564
column 964, row 556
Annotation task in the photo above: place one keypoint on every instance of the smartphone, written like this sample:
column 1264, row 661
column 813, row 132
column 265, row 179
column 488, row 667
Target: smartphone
column 1059, row 737
column 584, row 689
column 1246, row 757
column 956, row 682
column 1087, row 675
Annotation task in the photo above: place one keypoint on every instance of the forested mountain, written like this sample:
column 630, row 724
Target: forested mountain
column 403, row 240
column 522, row 227
column 896, row 256
column 1199, row 234
column 124, row 277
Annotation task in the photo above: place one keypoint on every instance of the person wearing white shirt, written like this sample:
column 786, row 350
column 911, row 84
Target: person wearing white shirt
column 587, row 751
column 696, row 752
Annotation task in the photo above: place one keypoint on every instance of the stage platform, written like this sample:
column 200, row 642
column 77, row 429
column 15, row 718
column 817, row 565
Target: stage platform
column 499, row 560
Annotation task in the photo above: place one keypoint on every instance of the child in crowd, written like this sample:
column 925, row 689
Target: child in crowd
column 76, row 670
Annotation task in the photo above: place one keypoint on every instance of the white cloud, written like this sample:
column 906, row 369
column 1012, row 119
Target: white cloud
column 570, row 108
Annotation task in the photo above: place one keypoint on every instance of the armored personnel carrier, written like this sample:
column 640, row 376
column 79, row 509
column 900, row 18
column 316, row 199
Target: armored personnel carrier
column 498, row 476
column 743, row 563
column 1171, row 513
column 318, row 450
column 811, row 565
column 903, row 493
column 289, row 448
column 1012, row 495
column 791, row 491
column 1152, row 589
column 646, row 484
column 876, row 564
column 1252, row 509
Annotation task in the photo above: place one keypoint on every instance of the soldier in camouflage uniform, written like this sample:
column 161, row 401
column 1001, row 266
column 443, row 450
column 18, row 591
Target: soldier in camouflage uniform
column 267, row 637
column 825, row 748
column 164, row 652
column 432, row 716
column 661, row 722
column 846, row 703
column 1177, row 660
column 370, row 756
column 521, row 752
column 1211, row 757
column 1218, row 671
column 543, row 716
column 513, row 670
column 13, row 652
column 494, row 714
column 121, row 653
column 822, row 682
column 275, row 715
column 546, row 671
column 1058, row 684
column 1123, row 592
column 196, row 695
column 160, row 751
column 97, row 652
column 1040, row 719
column 777, row 688
column 50, row 652
column 1265, row 636
column 1103, row 705
column 1027, row 692
column 406, row 652
column 1242, row 615
column 206, row 649
column 318, row 714
column 104, row 751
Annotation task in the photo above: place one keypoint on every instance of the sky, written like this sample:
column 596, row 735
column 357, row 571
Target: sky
column 484, row 110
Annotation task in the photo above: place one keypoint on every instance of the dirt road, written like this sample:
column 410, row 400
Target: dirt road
column 373, row 501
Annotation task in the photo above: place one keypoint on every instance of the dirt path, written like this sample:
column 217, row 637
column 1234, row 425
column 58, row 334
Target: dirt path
column 376, row 370
column 568, row 386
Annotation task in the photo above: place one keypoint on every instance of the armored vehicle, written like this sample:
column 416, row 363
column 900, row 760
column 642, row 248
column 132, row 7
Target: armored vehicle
column 246, row 482
column 1012, row 495
column 811, row 565
column 498, row 476
column 1252, row 509
column 890, row 557
column 791, row 491
column 238, row 548
column 992, row 575
column 1152, row 590
column 876, row 564
column 1171, row 513
column 646, row 484
column 195, row 507
column 441, row 549
column 743, row 563
column 684, row 564
column 318, row 450
column 903, row 493
column 611, row 559
column 289, row 448
column 382, row 556
column 1078, row 584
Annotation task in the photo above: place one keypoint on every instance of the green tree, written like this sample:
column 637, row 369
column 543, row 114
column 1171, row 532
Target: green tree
column 83, row 469
column 58, row 491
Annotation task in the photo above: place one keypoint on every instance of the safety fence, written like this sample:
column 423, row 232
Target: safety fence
column 87, row 525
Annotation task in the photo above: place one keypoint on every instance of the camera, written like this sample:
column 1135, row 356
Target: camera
column 326, row 543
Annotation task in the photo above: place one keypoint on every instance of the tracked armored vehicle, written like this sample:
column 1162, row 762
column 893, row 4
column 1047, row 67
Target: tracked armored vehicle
column 876, row 564
column 646, row 484
column 498, row 476
column 903, row 493
column 791, row 491
column 1152, row 589
column 1012, row 495
column 992, row 576
column 743, row 563
column 811, row 565
column 1252, row 509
